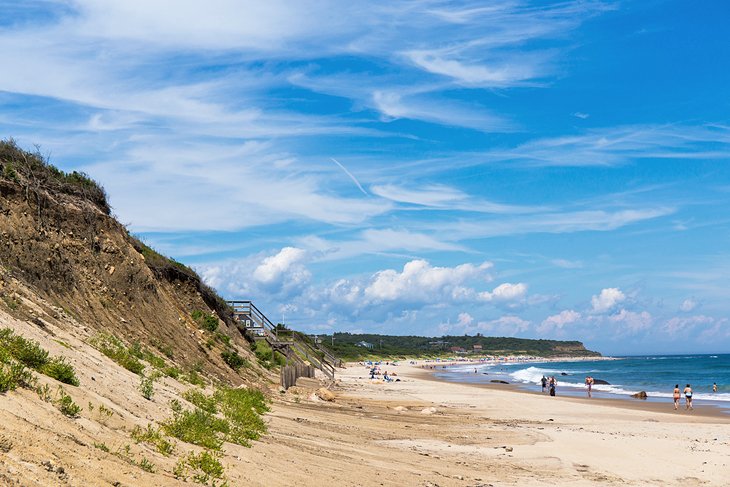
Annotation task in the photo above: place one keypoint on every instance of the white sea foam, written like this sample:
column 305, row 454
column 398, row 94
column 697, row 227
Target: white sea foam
column 532, row 375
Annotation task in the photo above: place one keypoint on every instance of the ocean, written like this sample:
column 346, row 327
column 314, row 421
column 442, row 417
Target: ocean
column 655, row 375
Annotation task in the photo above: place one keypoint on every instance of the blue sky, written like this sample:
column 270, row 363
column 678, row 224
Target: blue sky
column 515, row 168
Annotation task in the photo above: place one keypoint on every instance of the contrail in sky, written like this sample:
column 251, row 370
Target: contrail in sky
column 354, row 179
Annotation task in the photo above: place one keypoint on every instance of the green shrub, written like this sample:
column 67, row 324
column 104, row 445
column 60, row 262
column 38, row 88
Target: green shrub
column 136, row 350
column 101, row 446
column 194, row 378
column 233, row 360
column 11, row 302
column 172, row 372
column 197, row 427
column 153, row 437
column 44, row 392
column 243, row 408
column 279, row 359
column 206, row 321
column 67, row 405
column 30, row 354
column 165, row 349
column 201, row 400
column 264, row 353
column 223, row 338
column 27, row 352
column 146, row 465
column 115, row 349
column 14, row 375
column 204, row 467
column 59, row 369
column 146, row 387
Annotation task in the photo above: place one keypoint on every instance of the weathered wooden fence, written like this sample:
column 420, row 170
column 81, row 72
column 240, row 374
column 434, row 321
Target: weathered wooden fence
column 290, row 374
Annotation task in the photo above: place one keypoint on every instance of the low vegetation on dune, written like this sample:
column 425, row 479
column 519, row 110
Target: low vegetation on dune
column 17, row 353
column 227, row 415
column 73, row 274
column 33, row 171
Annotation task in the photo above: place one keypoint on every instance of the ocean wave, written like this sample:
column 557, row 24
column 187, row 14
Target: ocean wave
column 620, row 390
column 469, row 367
column 532, row 375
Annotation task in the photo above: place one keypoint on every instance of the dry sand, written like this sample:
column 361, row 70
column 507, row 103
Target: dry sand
column 416, row 432
column 421, row 432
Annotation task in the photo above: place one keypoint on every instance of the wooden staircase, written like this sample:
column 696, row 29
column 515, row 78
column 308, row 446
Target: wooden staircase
column 298, row 348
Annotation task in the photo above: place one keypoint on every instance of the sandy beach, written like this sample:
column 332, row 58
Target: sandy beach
column 424, row 432
column 416, row 432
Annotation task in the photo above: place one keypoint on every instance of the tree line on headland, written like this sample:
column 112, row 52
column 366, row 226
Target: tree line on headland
column 351, row 346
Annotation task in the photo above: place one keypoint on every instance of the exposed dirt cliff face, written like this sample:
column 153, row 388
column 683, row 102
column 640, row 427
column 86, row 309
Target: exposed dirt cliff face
column 107, row 348
column 63, row 251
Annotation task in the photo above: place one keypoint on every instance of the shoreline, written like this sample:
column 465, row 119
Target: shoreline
column 427, row 369
column 708, row 406
column 501, row 435
column 617, row 401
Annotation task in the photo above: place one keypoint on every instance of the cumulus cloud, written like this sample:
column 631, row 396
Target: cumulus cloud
column 558, row 321
column 419, row 281
column 688, row 305
column 505, row 292
column 274, row 268
column 283, row 274
column 607, row 300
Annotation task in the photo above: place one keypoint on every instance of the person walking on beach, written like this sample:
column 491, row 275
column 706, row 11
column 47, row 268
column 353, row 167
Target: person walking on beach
column 688, row 397
column 553, row 382
column 543, row 381
column 675, row 395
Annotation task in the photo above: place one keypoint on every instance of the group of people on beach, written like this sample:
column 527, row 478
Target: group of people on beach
column 376, row 374
column 549, row 384
column 687, row 396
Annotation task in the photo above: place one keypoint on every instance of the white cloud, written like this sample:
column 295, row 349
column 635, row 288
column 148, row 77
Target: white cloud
column 419, row 281
column 447, row 198
column 287, row 264
column 688, row 305
column 474, row 74
column 393, row 105
column 620, row 145
column 631, row 321
column 567, row 264
column 283, row 275
column 551, row 222
column 607, row 300
column 681, row 324
column 465, row 319
column 558, row 321
column 376, row 241
column 505, row 292
column 508, row 325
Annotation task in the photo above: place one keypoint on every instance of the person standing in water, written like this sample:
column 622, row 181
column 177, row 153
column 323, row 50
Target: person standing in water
column 714, row 387
column 688, row 397
column 543, row 381
column 675, row 395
